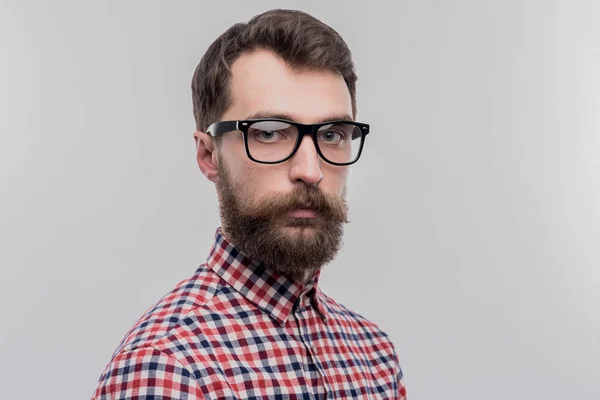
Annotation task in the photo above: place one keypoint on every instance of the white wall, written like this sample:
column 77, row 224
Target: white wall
column 476, row 207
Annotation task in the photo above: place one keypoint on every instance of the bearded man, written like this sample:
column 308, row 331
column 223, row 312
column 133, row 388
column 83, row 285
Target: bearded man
column 275, row 106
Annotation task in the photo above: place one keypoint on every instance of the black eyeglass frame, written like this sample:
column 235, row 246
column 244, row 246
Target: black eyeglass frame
column 222, row 127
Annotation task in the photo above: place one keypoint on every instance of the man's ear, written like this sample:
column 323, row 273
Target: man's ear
column 206, row 155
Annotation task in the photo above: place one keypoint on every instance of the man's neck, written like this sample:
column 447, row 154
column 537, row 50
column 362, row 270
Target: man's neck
column 302, row 277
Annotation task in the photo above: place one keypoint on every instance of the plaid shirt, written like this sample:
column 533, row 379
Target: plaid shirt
column 236, row 330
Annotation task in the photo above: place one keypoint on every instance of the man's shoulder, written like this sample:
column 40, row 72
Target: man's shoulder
column 169, row 312
column 364, row 336
column 354, row 320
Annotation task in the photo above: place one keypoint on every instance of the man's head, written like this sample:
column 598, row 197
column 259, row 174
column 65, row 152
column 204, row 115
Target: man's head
column 287, row 65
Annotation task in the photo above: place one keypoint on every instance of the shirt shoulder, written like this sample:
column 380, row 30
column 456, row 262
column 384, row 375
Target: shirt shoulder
column 345, row 315
column 371, row 339
column 169, row 312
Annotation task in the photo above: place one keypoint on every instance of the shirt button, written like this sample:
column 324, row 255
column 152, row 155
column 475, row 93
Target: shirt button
column 315, row 350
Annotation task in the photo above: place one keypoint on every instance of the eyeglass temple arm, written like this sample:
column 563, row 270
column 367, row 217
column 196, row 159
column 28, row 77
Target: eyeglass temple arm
column 219, row 128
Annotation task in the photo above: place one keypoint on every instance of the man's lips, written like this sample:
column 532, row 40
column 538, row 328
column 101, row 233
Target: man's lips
column 303, row 213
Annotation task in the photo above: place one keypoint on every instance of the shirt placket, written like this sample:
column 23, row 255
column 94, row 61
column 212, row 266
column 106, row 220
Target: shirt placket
column 309, row 326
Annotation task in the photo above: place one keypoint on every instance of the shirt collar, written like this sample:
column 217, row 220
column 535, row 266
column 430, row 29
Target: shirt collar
column 272, row 292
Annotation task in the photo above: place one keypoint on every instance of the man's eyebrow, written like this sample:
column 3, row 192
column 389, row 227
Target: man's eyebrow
column 268, row 114
column 289, row 117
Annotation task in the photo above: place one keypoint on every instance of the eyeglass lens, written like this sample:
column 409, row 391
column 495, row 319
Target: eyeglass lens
column 272, row 141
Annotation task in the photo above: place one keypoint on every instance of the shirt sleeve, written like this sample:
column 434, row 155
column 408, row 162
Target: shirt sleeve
column 401, row 388
column 146, row 373
column 400, row 379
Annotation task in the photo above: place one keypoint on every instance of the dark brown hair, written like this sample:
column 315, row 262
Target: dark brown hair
column 300, row 39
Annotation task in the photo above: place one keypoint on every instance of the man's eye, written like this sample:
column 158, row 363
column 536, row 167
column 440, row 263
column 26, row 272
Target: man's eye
column 267, row 136
column 331, row 136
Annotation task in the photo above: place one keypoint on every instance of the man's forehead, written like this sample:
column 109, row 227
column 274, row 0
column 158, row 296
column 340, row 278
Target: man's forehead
column 263, row 85
column 297, row 117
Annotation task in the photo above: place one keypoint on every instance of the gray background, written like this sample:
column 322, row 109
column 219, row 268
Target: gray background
column 476, row 207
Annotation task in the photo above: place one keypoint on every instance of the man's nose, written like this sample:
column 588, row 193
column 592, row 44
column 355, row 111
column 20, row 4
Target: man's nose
column 306, row 163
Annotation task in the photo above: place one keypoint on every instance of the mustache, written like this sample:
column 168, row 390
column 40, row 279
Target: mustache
column 331, row 207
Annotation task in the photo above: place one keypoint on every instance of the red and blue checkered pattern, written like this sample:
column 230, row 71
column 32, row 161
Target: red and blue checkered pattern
column 236, row 330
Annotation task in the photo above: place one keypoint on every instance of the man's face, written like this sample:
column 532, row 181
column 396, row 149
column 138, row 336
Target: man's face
column 287, row 215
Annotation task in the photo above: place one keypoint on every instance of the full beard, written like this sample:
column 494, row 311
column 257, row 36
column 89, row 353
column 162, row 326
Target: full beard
column 265, row 233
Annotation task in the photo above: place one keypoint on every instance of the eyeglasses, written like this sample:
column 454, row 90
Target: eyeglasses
column 272, row 140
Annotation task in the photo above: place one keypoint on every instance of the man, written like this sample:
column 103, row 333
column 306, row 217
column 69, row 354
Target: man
column 274, row 102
